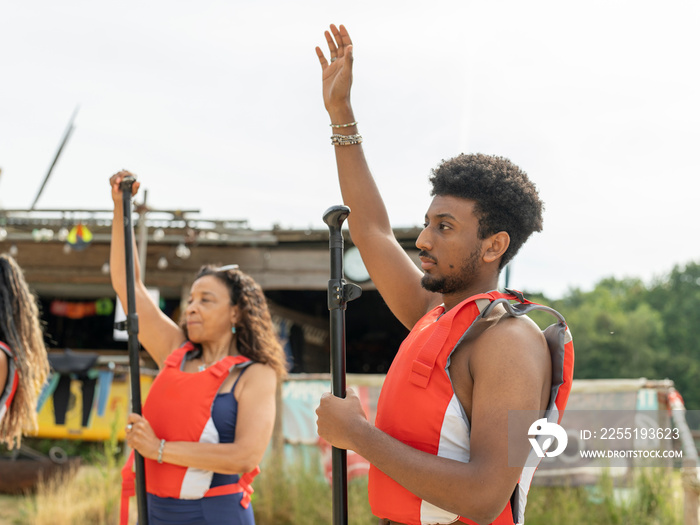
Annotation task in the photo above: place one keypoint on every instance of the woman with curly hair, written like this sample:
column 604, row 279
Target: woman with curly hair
column 210, row 412
column 23, row 362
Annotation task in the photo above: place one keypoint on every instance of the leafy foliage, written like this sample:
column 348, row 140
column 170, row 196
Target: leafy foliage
column 626, row 329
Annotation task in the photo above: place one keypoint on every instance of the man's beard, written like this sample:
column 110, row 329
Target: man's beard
column 454, row 283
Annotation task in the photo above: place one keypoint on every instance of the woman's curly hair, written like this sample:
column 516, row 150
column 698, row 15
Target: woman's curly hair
column 256, row 336
column 20, row 330
column 506, row 199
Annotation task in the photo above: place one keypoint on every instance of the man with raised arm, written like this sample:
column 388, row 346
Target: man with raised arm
column 439, row 448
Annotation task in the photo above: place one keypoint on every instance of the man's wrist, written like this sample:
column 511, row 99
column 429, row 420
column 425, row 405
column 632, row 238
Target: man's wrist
column 341, row 115
column 360, row 434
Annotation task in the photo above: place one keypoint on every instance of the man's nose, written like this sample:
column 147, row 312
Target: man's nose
column 423, row 242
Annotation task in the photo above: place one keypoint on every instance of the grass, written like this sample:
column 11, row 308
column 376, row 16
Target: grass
column 296, row 492
column 9, row 509
column 285, row 494
column 655, row 498
column 89, row 496
column 85, row 495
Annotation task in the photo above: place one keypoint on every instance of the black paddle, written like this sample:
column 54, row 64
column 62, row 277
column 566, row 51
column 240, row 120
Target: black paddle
column 339, row 293
column 132, row 329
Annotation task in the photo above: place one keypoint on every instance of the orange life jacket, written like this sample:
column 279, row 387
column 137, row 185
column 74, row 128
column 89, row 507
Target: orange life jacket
column 191, row 395
column 8, row 393
column 418, row 406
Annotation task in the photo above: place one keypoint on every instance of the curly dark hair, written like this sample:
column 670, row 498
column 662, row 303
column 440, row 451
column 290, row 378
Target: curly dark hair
column 20, row 329
column 506, row 199
column 256, row 336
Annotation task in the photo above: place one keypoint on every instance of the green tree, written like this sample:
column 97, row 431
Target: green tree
column 677, row 299
column 625, row 329
column 616, row 333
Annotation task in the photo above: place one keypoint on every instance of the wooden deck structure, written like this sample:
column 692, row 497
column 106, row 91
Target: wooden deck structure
column 279, row 259
column 292, row 265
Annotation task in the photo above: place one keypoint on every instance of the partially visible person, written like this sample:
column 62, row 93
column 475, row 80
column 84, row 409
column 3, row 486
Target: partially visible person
column 24, row 365
column 209, row 414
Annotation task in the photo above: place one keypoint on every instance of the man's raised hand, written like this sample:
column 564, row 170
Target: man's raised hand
column 337, row 75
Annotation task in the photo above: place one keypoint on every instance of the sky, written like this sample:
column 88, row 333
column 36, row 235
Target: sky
column 216, row 105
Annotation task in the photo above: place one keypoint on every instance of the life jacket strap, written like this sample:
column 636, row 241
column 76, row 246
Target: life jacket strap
column 129, row 488
column 243, row 485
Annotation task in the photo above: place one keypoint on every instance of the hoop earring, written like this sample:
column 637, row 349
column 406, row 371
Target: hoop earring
column 233, row 329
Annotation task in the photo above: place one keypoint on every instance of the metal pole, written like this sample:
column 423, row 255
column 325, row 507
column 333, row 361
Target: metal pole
column 64, row 140
column 339, row 293
column 132, row 329
column 143, row 236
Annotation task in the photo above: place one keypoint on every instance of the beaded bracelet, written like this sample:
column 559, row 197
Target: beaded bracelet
column 344, row 125
column 346, row 140
column 160, row 451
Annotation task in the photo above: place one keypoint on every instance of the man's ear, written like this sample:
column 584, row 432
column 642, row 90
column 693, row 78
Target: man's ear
column 495, row 246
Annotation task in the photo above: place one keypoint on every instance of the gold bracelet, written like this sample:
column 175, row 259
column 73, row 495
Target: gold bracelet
column 343, row 125
column 346, row 140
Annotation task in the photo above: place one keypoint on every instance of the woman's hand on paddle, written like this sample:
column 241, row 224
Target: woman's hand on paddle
column 140, row 436
column 337, row 70
column 115, row 181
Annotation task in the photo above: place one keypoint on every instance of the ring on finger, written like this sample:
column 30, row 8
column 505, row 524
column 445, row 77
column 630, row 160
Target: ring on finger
column 129, row 427
column 333, row 59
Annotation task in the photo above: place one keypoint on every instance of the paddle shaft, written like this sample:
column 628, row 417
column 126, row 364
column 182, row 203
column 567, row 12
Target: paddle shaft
column 132, row 329
column 339, row 293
